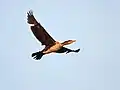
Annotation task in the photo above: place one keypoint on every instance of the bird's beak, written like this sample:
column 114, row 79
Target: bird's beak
column 73, row 40
column 68, row 42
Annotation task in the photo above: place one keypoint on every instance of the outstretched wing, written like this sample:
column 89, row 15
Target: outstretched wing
column 39, row 31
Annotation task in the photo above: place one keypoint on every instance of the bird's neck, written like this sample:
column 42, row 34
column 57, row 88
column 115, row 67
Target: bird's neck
column 68, row 42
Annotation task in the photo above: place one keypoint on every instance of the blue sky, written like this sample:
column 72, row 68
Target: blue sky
column 93, row 23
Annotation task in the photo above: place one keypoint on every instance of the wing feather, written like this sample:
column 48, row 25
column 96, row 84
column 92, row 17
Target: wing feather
column 39, row 31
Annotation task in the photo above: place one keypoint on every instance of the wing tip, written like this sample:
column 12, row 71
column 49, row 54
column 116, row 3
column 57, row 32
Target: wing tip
column 30, row 17
column 30, row 12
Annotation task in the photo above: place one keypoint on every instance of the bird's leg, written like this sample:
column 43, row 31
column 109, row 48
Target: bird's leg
column 69, row 50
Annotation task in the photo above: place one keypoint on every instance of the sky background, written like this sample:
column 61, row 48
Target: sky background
column 95, row 24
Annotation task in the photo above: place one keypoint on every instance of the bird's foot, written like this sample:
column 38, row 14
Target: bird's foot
column 77, row 50
column 73, row 51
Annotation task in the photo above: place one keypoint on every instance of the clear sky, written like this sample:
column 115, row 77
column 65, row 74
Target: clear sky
column 95, row 24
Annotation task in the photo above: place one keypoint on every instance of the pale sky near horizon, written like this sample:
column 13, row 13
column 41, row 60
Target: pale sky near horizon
column 93, row 23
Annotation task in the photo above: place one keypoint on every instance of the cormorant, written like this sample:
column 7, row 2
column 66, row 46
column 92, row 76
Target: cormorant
column 50, row 44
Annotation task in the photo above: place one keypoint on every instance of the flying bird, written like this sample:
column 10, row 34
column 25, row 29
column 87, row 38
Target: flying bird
column 41, row 34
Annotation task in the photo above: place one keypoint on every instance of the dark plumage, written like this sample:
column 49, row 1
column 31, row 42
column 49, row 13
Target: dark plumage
column 50, row 44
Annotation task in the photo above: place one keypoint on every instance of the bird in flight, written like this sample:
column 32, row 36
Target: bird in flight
column 41, row 34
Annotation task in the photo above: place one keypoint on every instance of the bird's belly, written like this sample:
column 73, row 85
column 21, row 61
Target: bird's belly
column 54, row 48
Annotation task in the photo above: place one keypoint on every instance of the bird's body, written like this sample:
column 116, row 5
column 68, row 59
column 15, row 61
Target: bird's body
column 50, row 44
column 53, row 48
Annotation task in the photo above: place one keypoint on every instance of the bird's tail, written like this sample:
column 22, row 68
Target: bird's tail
column 37, row 55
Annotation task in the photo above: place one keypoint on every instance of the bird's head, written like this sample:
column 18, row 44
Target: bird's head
column 68, row 42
